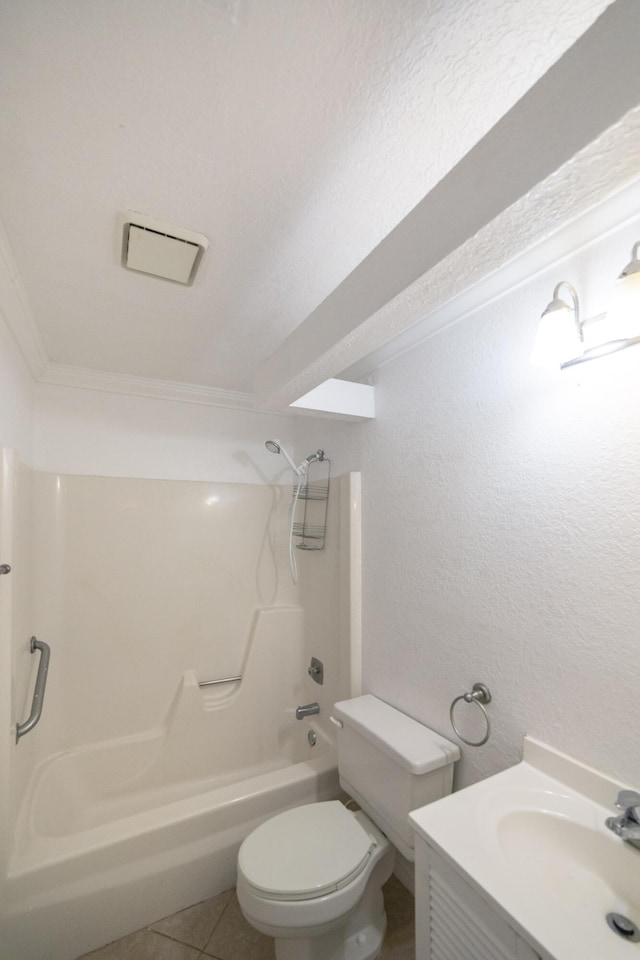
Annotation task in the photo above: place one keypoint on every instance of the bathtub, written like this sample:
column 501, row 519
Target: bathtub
column 130, row 799
column 89, row 869
column 114, row 834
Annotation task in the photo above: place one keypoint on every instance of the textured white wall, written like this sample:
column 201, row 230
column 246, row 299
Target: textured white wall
column 16, row 397
column 501, row 537
column 89, row 432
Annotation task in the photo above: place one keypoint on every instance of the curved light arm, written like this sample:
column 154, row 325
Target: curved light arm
column 558, row 304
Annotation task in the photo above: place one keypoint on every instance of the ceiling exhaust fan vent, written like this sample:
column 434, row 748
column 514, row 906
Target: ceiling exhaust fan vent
column 160, row 249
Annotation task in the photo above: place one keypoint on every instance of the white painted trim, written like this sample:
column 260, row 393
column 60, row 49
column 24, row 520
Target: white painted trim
column 60, row 374
column 573, row 235
column 570, row 239
column 589, row 227
column 459, row 233
column 351, row 581
column 17, row 313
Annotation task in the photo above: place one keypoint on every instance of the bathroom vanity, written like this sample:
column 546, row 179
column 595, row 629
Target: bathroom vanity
column 522, row 866
column 454, row 920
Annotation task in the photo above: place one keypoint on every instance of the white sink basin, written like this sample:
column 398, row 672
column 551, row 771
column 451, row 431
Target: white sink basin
column 564, row 852
column 538, row 846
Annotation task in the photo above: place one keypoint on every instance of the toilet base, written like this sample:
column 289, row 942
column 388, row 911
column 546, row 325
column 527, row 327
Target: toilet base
column 359, row 938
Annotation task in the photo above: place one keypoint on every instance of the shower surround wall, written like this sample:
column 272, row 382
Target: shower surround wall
column 142, row 588
column 138, row 581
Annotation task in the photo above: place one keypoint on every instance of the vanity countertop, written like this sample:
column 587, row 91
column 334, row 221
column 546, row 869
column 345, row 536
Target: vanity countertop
column 533, row 840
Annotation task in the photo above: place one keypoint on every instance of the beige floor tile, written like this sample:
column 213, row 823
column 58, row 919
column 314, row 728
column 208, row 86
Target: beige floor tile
column 235, row 939
column 194, row 925
column 144, row 945
column 399, row 943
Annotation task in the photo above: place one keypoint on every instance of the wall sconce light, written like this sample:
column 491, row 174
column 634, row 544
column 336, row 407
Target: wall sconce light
column 564, row 340
column 623, row 318
column 560, row 335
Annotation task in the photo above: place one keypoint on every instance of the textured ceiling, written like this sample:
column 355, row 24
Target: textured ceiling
column 294, row 134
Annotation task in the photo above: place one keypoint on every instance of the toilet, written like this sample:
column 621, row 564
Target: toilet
column 312, row 877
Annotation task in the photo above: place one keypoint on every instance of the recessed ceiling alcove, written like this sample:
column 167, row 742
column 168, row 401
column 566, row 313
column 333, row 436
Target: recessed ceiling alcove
column 301, row 140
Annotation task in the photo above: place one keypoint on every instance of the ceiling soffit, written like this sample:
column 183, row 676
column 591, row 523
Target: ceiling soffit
column 593, row 85
column 295, row 136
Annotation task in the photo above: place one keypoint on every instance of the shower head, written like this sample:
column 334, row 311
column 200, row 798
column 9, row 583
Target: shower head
column 274, row 446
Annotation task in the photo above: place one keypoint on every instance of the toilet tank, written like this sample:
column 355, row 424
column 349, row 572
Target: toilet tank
column 391, row 764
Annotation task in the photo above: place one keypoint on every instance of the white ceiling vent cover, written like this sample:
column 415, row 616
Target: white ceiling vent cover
column 160, row 249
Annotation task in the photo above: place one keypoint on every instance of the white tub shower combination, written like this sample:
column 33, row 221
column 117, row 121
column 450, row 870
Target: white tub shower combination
column 130, row 798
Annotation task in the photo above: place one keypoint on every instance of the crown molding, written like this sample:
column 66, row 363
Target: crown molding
column 566, row 237
column 17, row 314
column 84, row 378
column 596, row 191
column 584, row 96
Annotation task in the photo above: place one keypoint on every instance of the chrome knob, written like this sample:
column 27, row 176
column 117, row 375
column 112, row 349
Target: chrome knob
column 627, row 798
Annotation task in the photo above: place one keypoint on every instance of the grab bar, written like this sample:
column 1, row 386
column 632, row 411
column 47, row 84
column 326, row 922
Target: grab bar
column 210, row 683
column 38, row 693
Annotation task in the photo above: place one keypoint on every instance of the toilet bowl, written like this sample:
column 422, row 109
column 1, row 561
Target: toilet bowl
column 312, row 877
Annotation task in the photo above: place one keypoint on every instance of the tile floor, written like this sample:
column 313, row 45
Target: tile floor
column 216, row 929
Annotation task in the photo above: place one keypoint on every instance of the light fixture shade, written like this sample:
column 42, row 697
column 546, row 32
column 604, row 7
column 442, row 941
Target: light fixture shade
column 623, row 316
column 557, row 339
column 559, row 333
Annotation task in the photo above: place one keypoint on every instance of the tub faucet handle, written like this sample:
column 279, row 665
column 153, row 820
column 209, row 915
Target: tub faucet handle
column 316, row 670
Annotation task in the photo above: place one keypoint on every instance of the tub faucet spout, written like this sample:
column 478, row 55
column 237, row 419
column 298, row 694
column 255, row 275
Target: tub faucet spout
column 308, row 710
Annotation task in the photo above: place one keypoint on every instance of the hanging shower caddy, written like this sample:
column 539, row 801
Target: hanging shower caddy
column 310, row 523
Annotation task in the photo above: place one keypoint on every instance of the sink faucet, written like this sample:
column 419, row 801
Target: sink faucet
column 627, row 825
column 309, row 709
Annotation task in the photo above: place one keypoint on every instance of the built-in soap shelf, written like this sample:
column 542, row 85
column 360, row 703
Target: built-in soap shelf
column 310, row 522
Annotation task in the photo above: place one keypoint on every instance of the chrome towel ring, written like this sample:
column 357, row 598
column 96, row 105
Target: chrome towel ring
column 481, row 695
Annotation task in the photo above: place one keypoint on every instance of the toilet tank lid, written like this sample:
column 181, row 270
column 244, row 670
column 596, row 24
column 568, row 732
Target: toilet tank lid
column 411, row 744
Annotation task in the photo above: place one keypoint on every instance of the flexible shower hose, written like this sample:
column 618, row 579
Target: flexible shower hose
column 292, row 514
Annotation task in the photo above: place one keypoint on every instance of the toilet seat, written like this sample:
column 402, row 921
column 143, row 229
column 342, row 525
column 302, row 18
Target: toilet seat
column 306, row 852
